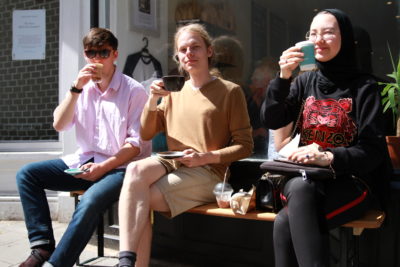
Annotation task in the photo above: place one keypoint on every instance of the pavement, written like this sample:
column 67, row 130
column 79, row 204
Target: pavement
column 14, row 246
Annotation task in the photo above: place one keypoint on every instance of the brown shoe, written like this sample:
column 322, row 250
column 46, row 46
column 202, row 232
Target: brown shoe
column 37, row 258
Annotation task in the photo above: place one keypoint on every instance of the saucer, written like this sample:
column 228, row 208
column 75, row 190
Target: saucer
column 74, row 171
column 170, row 154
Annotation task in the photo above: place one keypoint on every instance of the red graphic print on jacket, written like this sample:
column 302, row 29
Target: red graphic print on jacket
column 327, row 122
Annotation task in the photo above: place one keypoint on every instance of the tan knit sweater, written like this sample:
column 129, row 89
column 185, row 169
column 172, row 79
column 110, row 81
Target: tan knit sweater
column 212, row 118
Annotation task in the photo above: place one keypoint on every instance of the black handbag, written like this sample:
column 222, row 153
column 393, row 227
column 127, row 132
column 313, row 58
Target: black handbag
column 278, row 172
column 292, row 169
column 268, row 189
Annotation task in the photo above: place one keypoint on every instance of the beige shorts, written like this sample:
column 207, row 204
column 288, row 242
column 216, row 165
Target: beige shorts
column 184, row 188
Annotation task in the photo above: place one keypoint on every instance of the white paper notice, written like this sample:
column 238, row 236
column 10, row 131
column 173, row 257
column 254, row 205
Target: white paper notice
column 29, row 34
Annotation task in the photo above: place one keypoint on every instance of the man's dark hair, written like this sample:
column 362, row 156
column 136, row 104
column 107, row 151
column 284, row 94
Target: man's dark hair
column 98, row 37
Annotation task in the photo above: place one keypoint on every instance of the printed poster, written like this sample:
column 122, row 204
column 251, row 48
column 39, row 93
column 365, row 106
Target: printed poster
column 29, row 34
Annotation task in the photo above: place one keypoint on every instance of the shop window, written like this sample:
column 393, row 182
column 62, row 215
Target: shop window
column 251, row 35
column 28, row 88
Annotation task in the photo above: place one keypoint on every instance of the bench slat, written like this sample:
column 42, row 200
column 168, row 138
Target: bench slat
column 212, row 209
column 371, row 219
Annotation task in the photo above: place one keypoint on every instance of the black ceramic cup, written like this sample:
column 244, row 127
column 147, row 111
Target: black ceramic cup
column 173, row 83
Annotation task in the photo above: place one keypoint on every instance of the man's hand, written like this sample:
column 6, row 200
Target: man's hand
column 84, row 75
column 193, row 158
column 93, row 173
column 157, row 91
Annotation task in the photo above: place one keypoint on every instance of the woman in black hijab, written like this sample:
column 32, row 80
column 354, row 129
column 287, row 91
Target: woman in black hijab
column 340, row 126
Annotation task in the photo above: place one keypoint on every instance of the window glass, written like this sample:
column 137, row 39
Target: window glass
column 28, row 88
column 251, row 35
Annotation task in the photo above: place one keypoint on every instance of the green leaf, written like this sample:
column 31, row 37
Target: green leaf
column 391, row 91
column 391, row 57
column 392, row 75
column 386, row 107
column 386, row 89
column 385, row 100
column 392, row 97
column 398, row 71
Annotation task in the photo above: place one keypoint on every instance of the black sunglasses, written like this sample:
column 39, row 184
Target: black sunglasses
column 105, row 53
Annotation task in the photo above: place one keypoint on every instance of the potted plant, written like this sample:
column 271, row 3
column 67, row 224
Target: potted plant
column 391, row 101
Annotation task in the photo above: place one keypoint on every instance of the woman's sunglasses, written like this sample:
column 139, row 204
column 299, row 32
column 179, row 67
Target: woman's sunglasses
column 105, row 53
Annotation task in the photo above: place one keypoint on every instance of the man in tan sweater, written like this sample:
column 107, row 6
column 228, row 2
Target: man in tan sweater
column 207, row 121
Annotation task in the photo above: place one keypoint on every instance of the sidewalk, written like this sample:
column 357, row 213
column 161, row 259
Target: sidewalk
column 14, row 247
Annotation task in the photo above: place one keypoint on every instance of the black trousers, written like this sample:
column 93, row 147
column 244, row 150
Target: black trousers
column 301, row 228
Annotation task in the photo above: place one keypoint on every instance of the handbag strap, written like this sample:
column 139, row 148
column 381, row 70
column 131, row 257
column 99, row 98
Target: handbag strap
column 297, row 124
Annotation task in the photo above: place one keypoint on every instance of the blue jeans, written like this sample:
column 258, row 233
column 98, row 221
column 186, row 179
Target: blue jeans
column 34, row 178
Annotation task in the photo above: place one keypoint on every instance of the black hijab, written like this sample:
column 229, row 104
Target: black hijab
column 343, row 67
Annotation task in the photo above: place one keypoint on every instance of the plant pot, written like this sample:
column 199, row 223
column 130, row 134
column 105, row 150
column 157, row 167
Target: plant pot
column 393, row 143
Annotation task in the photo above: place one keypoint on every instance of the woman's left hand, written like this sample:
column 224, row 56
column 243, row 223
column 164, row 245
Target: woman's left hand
column 312, row 154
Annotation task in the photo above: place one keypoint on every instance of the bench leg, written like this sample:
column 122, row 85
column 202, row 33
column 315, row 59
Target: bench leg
column 343, row 247
column 349, row 250
column 100, row 237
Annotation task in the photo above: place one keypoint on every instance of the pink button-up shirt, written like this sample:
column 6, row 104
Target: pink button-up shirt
column 104, row 122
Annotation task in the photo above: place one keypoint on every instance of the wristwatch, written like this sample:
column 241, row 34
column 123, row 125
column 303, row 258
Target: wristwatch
column 75, row 90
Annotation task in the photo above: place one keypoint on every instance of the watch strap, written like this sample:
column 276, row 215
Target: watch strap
column 75, row 90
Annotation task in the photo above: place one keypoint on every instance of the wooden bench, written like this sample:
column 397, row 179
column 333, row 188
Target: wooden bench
column 348, row 233
column 373, row 219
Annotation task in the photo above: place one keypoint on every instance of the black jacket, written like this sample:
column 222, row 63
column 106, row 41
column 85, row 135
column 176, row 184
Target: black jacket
column 365, row 154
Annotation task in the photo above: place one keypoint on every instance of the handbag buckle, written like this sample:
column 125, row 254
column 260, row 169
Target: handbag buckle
column 304, row 175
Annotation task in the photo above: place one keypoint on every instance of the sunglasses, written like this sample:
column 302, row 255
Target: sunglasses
column 105, row 53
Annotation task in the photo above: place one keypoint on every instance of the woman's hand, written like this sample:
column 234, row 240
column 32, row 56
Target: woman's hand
column 289, row 61
column 312, row 154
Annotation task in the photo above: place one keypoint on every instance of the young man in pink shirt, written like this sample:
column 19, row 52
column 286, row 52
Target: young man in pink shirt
column 106, row 115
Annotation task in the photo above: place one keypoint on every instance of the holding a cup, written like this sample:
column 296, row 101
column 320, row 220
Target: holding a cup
column 302, row 54
column 307, row 47
column 173, row 83
column 98, row 73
